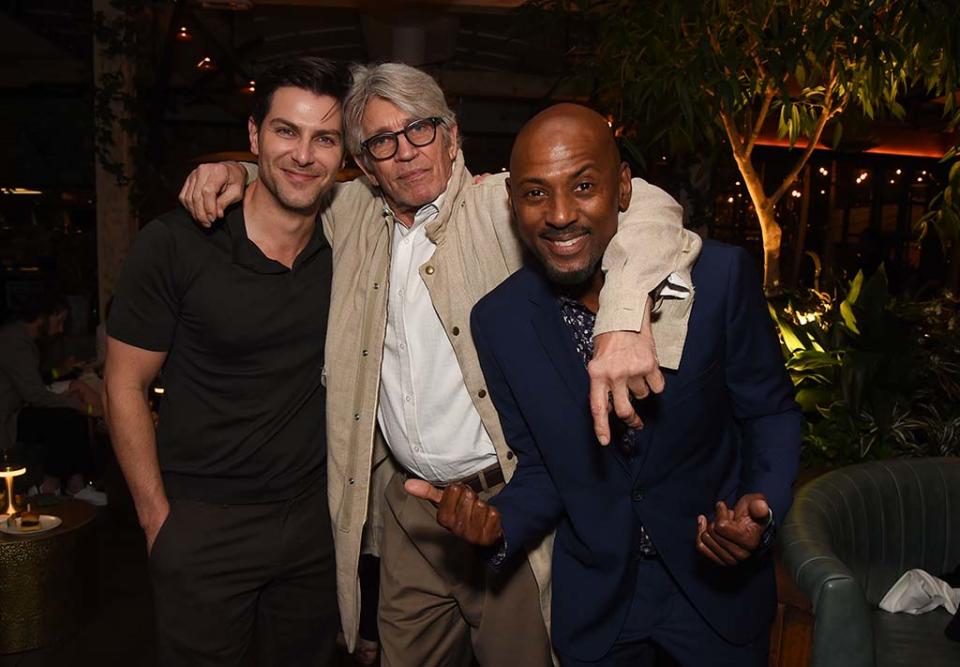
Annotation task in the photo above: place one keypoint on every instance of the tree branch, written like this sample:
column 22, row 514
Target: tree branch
column 758, row 125
column 736, row 142
column 814, row 137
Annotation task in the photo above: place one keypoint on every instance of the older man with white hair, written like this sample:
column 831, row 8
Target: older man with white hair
column 416, row 244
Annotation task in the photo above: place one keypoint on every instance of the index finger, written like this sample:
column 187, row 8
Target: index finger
column 599, row 408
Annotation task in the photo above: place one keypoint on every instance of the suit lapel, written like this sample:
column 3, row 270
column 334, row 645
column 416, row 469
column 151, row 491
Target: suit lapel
column 559, row 348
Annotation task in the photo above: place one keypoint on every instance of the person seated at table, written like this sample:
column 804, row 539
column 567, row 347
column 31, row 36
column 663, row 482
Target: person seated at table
column 54, row 417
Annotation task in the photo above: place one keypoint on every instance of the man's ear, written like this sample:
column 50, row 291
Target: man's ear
column 625, row 186
column 453, row 147
column 361, row 161
column 254, row 133
column 506, row 184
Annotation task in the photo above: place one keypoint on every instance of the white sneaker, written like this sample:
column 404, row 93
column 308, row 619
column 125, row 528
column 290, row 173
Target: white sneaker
column 88, row 494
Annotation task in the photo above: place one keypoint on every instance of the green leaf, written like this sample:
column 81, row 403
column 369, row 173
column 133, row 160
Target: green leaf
column 849, row 319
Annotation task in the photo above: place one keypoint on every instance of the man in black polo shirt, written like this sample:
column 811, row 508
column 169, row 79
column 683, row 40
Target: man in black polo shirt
column 231, row 488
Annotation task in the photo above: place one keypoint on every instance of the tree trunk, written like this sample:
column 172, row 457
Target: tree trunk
column 117, row 222
column 770, row 231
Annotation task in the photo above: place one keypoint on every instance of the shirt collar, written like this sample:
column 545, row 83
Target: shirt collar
column 246, row 253
column 424, row 214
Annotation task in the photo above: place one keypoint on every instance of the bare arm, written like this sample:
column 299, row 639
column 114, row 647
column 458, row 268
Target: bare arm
column 127, row 376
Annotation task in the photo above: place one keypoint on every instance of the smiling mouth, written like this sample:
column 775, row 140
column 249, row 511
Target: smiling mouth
column 570, row 245
column 299, row 175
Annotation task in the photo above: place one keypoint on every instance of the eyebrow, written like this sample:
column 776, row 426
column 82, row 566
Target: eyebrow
column 534, row 180
column 383, row 129
column 319, row 133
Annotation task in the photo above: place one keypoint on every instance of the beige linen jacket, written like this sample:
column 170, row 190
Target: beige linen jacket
column 476, row 249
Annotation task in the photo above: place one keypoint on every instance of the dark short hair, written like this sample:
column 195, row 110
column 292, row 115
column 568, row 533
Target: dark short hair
column 30, row 310
column 318, row 75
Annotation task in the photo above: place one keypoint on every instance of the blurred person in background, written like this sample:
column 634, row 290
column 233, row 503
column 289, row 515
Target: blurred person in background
column 50, row 420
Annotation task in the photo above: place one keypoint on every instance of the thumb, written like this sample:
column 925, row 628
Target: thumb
column 759, row 510
column 423, row 489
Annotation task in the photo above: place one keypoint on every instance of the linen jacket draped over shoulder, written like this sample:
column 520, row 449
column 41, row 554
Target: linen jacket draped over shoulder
column 476, row 249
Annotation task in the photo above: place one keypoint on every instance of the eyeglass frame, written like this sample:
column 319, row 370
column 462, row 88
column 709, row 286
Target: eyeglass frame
column 435, row 121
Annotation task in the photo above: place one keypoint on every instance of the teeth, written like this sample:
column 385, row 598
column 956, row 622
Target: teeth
column 566, row 244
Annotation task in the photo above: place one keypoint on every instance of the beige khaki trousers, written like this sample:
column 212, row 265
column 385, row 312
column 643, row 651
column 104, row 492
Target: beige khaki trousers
column 441, row 604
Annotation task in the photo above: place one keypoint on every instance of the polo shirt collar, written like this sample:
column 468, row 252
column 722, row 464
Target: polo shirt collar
column 246, row 253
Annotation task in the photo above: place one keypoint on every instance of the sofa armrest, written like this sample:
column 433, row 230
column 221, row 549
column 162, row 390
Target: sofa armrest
column 843, row 630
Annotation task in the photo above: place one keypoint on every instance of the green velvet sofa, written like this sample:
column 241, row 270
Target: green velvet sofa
column 851, row 534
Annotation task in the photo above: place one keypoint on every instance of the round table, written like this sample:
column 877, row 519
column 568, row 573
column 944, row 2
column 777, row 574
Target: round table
column 48, row 581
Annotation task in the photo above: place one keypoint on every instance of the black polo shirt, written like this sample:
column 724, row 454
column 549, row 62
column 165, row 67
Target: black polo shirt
column 242, row 419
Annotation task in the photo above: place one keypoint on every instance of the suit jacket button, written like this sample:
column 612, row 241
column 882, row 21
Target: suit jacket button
column 638, row 494
column 455, row 331
column 429, row 270
column 482, row 393
column 509, row 455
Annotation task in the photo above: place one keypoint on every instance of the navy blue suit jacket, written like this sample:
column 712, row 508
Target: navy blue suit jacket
column 726, row 424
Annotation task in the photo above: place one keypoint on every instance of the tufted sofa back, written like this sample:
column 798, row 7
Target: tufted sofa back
column 884, row 518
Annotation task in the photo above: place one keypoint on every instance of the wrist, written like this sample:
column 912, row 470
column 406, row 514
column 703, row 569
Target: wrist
column 151, row 518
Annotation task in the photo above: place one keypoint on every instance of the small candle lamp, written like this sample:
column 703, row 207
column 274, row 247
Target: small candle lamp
column 10, row 468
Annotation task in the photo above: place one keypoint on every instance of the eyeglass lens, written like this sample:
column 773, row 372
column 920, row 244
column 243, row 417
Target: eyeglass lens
column 420, row 133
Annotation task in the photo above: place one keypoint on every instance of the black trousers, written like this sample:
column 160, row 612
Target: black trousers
column 233, row 580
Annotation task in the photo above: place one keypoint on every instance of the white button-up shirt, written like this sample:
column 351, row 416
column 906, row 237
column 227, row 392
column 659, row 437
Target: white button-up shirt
column 425, row 411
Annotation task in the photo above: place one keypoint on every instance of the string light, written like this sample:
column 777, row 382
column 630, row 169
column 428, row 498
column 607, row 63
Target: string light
column 729, row 200
column 251, row 87
column 823, row 192
column 205, row 63
column 796, row 194
column 183, row 35
column 899, row 171
column 823, row 172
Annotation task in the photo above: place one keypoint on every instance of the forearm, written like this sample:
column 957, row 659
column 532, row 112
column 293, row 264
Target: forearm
column 650, row 245
column 134, row 441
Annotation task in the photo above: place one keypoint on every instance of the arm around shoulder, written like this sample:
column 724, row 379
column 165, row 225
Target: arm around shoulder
column 650, row 246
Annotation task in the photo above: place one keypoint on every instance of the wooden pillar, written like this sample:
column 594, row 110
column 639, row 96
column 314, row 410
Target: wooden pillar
column 117, row 222
column 801, row 240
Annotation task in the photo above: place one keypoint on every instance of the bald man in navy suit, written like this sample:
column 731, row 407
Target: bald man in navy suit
column 662, row 538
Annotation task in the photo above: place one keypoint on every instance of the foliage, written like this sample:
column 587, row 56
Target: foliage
column 875, row 377
column 124, row 38
column 682, row 72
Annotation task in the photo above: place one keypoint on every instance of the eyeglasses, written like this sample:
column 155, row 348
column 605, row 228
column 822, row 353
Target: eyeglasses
column 419, row 133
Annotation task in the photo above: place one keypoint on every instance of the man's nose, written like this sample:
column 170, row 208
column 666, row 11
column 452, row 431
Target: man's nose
column 405, row 150
column 562, row 211
column 303, row 153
